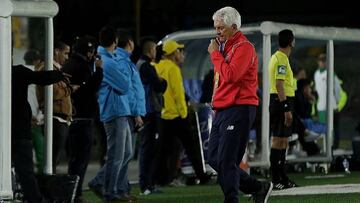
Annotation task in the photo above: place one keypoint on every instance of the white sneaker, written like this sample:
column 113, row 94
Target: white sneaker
column 146, row 192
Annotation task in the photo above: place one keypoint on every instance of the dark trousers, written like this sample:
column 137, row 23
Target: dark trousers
column 60, row 134
column 175, row 131
column 336, row 141
column 149, row 150
column 80, row 142
column 24, row 168
column 228, row 138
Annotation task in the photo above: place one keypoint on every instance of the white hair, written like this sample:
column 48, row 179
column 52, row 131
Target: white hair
column 229, row 16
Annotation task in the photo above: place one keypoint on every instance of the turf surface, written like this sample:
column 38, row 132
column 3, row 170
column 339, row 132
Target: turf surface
column 213, row 194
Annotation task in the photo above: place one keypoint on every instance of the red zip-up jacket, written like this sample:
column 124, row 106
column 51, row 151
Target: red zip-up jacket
column 235, row 73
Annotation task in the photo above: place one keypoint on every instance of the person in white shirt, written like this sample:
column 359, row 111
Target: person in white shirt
column 32, row 58
column 320, row 87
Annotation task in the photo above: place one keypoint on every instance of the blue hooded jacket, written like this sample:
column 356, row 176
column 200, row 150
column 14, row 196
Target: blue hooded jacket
column 136, row 89
column 114, row 89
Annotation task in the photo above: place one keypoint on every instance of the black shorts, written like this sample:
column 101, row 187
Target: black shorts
column 277, row 118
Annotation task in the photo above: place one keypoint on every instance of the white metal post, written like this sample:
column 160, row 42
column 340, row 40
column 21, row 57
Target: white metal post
column 330, row 96
column 265, row 121
column 5, row 108
column 48, row 169
column 265, row 131
column 8, row 8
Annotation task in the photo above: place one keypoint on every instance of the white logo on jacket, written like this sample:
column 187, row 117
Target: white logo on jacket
column 230, row 127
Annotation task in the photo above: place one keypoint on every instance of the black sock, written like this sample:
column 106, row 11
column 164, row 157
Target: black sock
column 275, row 161
column 283, row 174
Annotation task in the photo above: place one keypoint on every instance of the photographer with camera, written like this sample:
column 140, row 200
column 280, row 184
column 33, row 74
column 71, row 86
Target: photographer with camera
column 85, row 67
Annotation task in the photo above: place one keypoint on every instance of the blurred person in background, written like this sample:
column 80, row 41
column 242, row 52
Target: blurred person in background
column 21, row 121
column 174, row 115
column 86, row 73
column 136, row 98
column 62, row 107
column 114, row 112
column 338, row 99
column 154, row 87
column 32, row 59
column 234, row 102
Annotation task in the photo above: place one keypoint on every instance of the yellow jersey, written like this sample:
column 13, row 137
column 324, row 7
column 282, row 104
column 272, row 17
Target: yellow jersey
column 280, row 69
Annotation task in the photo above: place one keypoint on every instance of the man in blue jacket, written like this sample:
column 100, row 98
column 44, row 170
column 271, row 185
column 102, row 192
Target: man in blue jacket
column 124, row 49
column 114, row 112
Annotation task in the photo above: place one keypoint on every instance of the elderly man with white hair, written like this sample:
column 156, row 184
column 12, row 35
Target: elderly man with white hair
column 235, row 102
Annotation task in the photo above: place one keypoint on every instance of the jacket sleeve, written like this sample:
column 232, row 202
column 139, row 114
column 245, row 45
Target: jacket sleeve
column 45, row 77
column 42, row 78
column 159, row 84
column 113, row 75
column 234, row 70
column 140, row 109
column 177, row 88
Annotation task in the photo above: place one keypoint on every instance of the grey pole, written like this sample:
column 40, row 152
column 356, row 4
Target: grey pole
column 49, row 97
column 5, row 108
column 265, row 121
column 329, row 97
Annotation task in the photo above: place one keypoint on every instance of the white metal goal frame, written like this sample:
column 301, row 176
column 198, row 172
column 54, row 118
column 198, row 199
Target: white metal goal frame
column 45, row 9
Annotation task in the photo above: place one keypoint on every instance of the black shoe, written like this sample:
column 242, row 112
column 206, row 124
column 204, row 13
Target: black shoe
column 290, row 184
column 263, row 194
column 279, row 186
column 192, row 181
column 206, row 179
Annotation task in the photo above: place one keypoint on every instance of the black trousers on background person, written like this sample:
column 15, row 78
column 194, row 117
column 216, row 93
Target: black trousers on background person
column 60, row 134
column 149, row 150
column 227, row 143
column 79, row 144
column 24, row 167
column 176, row 130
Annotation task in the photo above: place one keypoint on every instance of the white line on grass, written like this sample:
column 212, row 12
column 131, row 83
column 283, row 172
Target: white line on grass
column 319, row 189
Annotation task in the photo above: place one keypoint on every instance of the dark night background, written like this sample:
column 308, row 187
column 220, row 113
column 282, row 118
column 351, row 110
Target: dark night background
column 160, row 17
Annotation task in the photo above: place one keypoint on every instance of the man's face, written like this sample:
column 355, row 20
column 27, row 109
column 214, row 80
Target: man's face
column 322, row 62
column 153, row 51
column 131, row 46
column 61, row 56
column 179, row 56
column 223, row 31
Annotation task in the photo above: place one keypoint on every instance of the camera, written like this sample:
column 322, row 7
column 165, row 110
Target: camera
column 97, row 57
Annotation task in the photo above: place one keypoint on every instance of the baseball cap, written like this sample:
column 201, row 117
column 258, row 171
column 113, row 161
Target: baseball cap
column 170, row 46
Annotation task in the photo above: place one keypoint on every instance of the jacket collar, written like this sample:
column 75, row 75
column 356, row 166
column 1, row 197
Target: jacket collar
column 237, row 37
column 103, row 51
column 122, row 53
column 57, row 66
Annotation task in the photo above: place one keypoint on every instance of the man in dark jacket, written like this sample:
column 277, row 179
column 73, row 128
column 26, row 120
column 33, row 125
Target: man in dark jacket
column 154, row 87
column 86, row 73
column 22, row 154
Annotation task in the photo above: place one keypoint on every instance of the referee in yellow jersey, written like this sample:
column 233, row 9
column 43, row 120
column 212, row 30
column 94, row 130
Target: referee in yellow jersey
column 282, row 92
